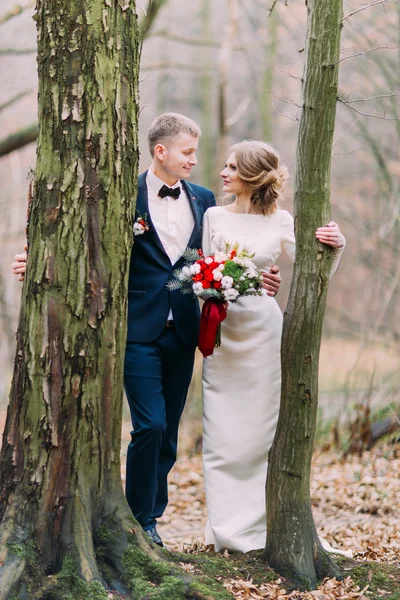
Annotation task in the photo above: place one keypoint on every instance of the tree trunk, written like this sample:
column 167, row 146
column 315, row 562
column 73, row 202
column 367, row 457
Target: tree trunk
column 293, row 547
column 266, row 108
column 62, row 507
column 224, row 64
column 206, row 93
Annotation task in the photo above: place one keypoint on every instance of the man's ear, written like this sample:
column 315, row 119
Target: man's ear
column 160, row 151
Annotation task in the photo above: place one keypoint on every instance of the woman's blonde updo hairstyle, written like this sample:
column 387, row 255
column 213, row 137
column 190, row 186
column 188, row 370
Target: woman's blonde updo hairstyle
column 259, row 169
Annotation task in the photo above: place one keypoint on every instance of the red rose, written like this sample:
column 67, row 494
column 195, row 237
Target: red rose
column 217, row 285
column 206, row 284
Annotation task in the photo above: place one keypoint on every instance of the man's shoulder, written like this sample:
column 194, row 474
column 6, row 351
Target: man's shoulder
column 200, row 191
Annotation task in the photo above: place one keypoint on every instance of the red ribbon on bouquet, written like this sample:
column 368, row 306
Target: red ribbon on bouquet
column 212, row 315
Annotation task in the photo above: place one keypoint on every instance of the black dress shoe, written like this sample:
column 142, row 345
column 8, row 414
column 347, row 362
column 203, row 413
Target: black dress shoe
column 154, row 537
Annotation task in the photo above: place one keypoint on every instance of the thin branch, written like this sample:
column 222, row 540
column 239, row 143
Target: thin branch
column 280, row 112
column 269, row 13
column 298, row 77
column 382, row 117
column 15, row 11
column 163, row 66
column 363, row 8
column 349, row 151
column 367, row 52
column 239, row 112
column 344, row 133
column 282, row 98
column 17, row 51
column 14, row 99
column 373, row 98
column 180, row 39
column 18, row 140
column 150, row 15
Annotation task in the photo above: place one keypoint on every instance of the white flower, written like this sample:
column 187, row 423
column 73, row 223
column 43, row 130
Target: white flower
column 208, row 260
column 138, row 229
column 220, row 257
column 185, row 273
column 217, row 274
column 227, row 282
column 198, row 288
column 251, row 273
column 231, row 294
column 195, row 268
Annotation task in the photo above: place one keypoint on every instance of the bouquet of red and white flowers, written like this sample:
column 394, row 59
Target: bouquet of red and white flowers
column 218, row 279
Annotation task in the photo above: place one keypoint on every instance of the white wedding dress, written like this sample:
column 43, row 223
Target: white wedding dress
column 241, row 386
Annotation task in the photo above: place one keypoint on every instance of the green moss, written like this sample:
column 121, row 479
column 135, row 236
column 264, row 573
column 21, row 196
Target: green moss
column 164, row 580
column 378, row 576
column 138, row 564
column 208, row 587
column 236, row 565
column 69, row 586
column 26, row 551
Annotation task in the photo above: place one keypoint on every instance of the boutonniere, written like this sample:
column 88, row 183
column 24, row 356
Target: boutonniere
column 141, row 225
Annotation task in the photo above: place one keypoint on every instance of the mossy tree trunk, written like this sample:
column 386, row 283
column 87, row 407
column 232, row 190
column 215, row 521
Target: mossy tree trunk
column 293, row 547
column 62, row 507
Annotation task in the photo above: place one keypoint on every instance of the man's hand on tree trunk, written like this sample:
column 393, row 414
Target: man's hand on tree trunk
column 272, row 281
column 19, row 264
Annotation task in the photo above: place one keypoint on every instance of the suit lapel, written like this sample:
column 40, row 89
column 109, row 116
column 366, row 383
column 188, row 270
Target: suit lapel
column 142, row 208
column 195, row 210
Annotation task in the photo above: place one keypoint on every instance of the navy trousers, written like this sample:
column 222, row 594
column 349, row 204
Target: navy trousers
column 156, row 377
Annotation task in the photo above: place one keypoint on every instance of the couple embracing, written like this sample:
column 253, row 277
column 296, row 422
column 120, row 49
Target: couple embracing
column 241, row 380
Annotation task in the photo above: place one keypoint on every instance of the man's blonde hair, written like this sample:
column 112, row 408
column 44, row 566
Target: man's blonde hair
column 168, row 125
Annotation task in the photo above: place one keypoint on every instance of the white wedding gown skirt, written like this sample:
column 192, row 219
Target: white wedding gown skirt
column 241, row 395
column 242, row 386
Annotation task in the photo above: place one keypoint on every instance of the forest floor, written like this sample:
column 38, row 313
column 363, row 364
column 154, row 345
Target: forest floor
column 356, row 506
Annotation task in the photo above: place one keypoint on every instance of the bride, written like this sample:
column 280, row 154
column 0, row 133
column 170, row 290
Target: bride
column 242, row 379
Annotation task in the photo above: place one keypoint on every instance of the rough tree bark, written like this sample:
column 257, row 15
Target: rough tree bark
column 62, row 507
column 293, row 547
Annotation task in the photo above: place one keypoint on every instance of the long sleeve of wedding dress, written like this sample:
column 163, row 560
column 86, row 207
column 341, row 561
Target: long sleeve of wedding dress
column 241, row 387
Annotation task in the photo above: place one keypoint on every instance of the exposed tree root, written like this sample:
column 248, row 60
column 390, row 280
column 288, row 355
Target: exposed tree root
column 10, row 575
column 303, row 566
column 117, row 557
column 12, row 554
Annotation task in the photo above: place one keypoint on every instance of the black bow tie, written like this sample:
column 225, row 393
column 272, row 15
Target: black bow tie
column 170, row 192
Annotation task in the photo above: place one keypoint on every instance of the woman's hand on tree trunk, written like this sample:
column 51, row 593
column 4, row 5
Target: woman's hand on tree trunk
column 331, row 235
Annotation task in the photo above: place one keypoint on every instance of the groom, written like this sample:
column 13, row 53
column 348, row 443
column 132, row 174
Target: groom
column 163, row 326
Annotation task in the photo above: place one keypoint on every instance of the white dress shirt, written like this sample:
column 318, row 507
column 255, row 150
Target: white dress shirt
column 173, row 219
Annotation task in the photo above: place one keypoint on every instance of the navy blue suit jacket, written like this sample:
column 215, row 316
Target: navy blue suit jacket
column 149, row 300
